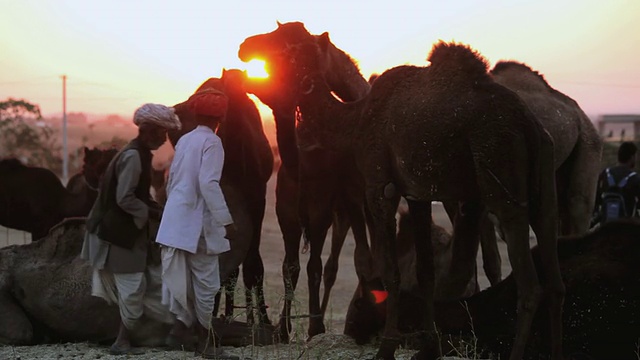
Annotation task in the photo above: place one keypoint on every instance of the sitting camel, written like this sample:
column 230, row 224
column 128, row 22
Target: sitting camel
column 601, row 308
column 248, row 165
column 316, row 189
column 412, row 125
column 33, row 199
column 45, row 291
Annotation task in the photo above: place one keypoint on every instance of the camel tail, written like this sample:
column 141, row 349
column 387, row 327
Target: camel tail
column 459, row 58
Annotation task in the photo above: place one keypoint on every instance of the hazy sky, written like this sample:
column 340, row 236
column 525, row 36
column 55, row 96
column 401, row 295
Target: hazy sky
column 120, row 54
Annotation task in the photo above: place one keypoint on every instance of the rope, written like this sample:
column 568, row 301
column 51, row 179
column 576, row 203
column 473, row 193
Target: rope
column 84, row 178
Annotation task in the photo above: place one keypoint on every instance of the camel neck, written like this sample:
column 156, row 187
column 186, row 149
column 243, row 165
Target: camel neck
column 330, row 122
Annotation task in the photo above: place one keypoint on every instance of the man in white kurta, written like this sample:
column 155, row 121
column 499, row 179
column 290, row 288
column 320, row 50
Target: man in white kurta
column 194, row 224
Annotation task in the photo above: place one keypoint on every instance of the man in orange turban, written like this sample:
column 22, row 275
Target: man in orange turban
column 208, row 102
column 196, row 226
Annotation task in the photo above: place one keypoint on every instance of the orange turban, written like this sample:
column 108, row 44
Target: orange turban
column 208, row 102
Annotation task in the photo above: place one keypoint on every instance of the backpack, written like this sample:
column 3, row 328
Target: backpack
column 613, row 203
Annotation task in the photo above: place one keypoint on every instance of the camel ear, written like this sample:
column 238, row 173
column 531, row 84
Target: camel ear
column 323, row 41
column 278, row 22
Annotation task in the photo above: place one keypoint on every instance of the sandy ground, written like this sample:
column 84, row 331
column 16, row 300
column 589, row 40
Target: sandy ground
column 332, row 345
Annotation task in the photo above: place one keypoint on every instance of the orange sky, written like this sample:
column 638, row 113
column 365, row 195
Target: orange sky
column 120, row 54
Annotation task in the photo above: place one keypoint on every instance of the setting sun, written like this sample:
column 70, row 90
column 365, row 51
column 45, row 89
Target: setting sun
column 256, row 69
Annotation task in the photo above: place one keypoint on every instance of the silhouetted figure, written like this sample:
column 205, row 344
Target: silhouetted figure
column 618, row 188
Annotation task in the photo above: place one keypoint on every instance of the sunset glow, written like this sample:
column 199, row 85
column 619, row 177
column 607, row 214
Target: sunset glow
column 256, row 69
column 119, row 54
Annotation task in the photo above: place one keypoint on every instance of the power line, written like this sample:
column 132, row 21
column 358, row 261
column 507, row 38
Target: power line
column 33, row 81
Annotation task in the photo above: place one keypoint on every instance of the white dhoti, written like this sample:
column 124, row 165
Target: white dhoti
column 135, row 293
column 190, row 283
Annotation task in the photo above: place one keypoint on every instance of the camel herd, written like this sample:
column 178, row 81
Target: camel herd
column 501, row 148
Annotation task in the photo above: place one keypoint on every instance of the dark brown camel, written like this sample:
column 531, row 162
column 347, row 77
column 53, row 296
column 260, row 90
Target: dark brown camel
column 577, row 144
column 414, row 123
column 45, row 294
column 577, row 153
column 601, row 309
column 315, row 189
column 248, row 165
column 95, row 164
column 33, row 199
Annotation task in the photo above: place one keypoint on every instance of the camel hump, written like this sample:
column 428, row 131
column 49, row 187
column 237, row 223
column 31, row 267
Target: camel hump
column 515, row 66
column 11, row 164
column 458, row 57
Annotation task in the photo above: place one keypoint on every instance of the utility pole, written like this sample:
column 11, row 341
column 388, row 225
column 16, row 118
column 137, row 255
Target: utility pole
column 65, row 152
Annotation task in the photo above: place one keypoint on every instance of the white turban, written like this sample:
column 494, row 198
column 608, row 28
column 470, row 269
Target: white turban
column 157, row 114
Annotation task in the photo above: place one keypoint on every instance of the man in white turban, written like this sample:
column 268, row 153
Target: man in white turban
column 121, row 227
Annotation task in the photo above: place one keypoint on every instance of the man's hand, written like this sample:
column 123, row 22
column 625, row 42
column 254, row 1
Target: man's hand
column 232, row 231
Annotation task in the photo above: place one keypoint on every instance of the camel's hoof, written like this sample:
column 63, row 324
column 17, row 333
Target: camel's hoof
column 129, row 350
column 387, row 349
column 428, row 351
column 283, row 333
column 315, row 328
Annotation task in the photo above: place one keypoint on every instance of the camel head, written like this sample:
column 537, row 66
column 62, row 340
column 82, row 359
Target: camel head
column 95, row 164
column 272, row 44
column 275, row 49
column 233, row 82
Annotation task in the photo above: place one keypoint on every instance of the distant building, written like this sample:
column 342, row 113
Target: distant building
column 619, row 127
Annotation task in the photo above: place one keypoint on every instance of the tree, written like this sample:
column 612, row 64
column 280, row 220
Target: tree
column 25, row 136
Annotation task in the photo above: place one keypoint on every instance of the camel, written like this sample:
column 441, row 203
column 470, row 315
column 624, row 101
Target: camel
column 317, row 189
column 577, row 154
column 248, row 165
column 95, row 164
column 345, row 80
column 577, row 144
column 45, row 294
column 33, row 199
column 413, row 124
column 600, row 313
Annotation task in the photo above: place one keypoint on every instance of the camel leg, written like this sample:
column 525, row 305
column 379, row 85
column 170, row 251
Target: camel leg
column 508, row 193
column 577, row 200
column 363, row 259
column 229, row 290
column 339, row 231
column 253, row 268
column 544, row 223
column 383, row 210
column 491, row 260
column 513, row 223
column 287, row 215
column 15, row 327
column 425, row 273
column 463, row 268
column 229, row 294
column 316, row 231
